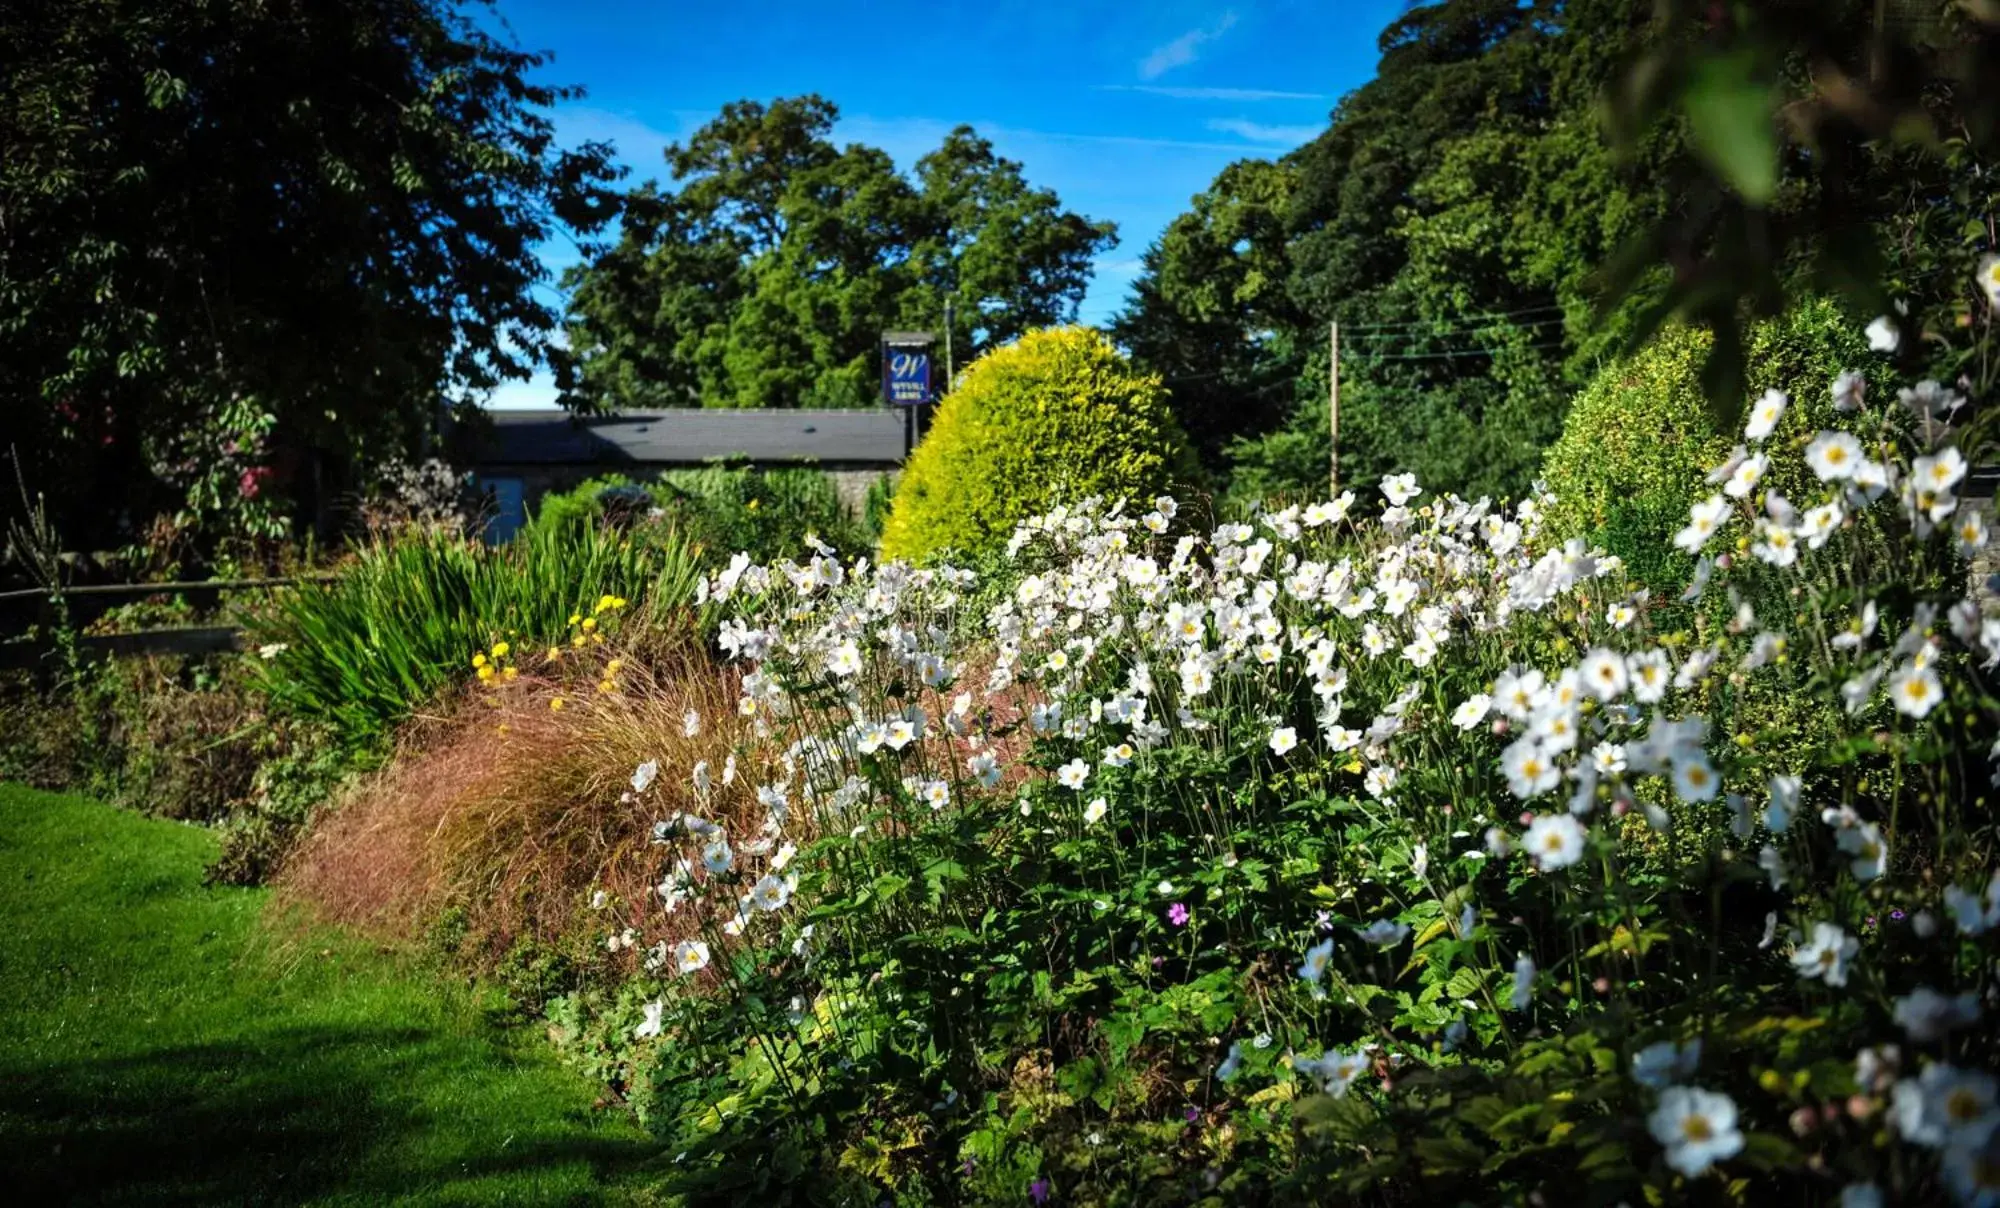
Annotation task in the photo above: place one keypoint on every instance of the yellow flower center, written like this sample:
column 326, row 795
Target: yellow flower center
column 1697, row 1128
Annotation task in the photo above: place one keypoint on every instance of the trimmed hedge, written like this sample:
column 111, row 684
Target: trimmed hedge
column 1056, row 416
column 1639, row 441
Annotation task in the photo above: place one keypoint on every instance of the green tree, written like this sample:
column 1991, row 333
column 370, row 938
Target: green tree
column 238, row 233
column 1451, row 218
column 1211, row 315
column 766, row 275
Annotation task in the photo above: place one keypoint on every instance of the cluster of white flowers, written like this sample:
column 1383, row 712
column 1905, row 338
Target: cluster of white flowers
column 1121, row 640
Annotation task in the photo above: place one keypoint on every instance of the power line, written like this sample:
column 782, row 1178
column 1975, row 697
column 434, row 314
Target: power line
column 1469, row 352
column 1468, row 329
column 1455, row 320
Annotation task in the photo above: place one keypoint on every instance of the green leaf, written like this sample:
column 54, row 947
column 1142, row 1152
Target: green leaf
column 1730, row 114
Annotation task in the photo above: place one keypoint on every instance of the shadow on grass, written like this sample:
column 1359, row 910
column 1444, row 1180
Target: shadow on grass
column 281, row 1118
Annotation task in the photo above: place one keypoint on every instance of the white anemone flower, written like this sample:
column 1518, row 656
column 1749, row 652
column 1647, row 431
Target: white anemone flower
column 1703, row 520
column 1095, row 811
column 1697, row 1127
column 717, row 857
column 1524, row 981
column 770, row 893
column 1970, row 532
column 1870, row 851
column 1667, row 1063
column 649, row 1027
column 1975, row 913
column 1604, row 674
column 1784, row 803
column 1472, row 711
column 1384, row 933
column 1928, row 1015
column 1765, row 414
column 1314, row 967
column 1744, row 478
column 1827, row 954
column 1401, row 488
column 1073, row 774
column 1940, row 1104
column 691, row 956
column 1695, row 778
column 1649, row 672
column 1850, row 391
column 1530, row 770
column 845, row 660
column 1883, row 335
column 644, row 775
column 1915, row 690
column 1283, row 739
column 1554, row 840
column 1833, row 455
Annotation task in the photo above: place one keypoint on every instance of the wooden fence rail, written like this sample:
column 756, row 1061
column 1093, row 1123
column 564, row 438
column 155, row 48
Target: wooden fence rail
column 154, row 589
column 187, row 640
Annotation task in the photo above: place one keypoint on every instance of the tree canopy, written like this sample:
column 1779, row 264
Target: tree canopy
column 235, row 232
column 1486, row 238
column 766, row 274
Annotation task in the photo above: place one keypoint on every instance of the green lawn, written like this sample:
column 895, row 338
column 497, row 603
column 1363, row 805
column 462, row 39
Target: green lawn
column 157, row 1046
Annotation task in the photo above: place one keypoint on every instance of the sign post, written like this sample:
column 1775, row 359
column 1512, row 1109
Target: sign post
column 906, row 377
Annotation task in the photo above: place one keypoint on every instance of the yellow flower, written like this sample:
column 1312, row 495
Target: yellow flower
column 485, row 672
column 479, row 660
column 500, row 650
column 575, row 617
column 555, row 704
column 510, row 673
column 606, row 686
column 589, row 623
column 577, row 640
column 752, row 505
column 555, row 652
column 611, row 668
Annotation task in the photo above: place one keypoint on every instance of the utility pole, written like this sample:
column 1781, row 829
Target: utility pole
column 1333, row 406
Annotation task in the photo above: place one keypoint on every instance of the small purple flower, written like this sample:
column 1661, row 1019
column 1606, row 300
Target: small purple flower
column 1178, row 914
column 1896, row 915
column 1324, row 920
column 1193, row 1114
column 967, row 1165
column 1038, row 1191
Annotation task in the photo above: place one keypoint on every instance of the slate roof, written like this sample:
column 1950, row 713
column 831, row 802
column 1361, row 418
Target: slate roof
column 694, row 435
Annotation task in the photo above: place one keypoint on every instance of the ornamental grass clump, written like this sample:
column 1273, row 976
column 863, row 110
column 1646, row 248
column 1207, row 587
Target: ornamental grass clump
column 396, row 629
column 1317, row 860
column 514, row 823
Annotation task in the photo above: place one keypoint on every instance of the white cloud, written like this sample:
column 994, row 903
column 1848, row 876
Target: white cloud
column 1257, row 132
column 639, row 146
column 1182, row 50
column 1213, row 94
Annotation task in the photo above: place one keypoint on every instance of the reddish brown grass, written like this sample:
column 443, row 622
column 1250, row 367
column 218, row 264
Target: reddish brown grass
column 516, row 812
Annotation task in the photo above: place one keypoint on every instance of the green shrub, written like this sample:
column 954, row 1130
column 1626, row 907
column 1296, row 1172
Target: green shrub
column 1640, row 440
column 767, row 513
column 722, row 508
column 403, row 621
column 1059, row 415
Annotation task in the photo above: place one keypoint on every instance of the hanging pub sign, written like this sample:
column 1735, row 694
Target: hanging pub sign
column 906, row 368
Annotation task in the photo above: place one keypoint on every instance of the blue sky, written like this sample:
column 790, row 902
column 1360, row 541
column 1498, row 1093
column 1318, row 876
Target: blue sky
column 1126, row 109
